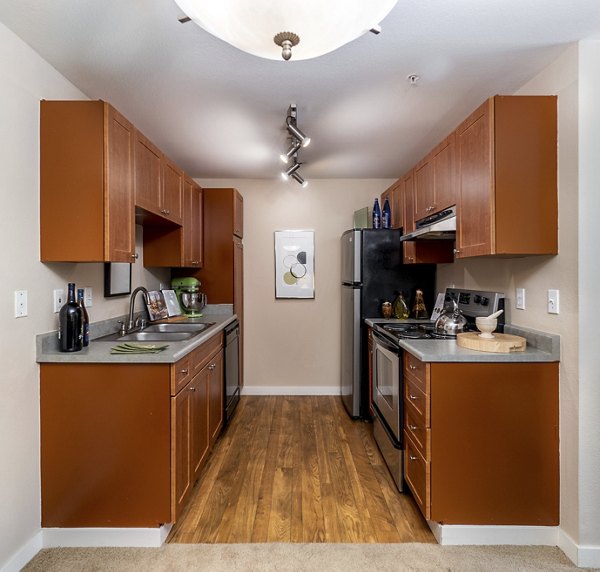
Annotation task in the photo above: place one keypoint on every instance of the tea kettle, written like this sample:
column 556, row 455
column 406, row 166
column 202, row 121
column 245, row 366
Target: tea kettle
column 451, row 320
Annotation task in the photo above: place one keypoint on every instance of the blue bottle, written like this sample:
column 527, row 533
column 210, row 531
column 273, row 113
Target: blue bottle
column 376, row 214
column 386, row 217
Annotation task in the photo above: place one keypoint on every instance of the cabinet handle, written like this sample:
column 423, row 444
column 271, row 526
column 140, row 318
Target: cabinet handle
column 135, row 256
column 163, row 211
column 167, row 211
column 410, row 258
column 192, row 389
column 212, row 366
column 195, row 262
column 413, row 427
column 456, row 251
column 412, row 367
column 413, row 397
column 184, row 371
column 412, row 457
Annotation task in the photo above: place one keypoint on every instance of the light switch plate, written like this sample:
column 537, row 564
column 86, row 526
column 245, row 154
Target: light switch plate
column 88, row 297
column 59, row 299
column 520, row 298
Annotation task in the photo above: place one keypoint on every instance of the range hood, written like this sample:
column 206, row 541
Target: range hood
column 440, row 225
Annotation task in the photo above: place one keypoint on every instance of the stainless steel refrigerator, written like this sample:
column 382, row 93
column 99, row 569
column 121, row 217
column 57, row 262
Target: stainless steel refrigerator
column 372, row 272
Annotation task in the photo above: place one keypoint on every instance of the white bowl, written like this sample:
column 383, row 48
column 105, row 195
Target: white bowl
column 486, row 326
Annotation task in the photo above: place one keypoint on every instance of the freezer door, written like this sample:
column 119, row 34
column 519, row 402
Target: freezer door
column 350, row 366
column 351, row 249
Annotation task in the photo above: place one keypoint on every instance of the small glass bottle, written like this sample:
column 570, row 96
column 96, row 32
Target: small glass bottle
column 85, row 320
column 400, row 308
column 376, row 214
column 419, row 311
column 69, row 320
column 386, row 215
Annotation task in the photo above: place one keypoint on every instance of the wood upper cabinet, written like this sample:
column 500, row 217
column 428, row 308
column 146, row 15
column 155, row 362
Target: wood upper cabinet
column 435, row 179
column 408, row 192
column 395, row 197
column 86, row 163
column 474, row 453
column 238, row 214
column 148, row 174
column 192, row 224
column 507, row 169
column 172, row 191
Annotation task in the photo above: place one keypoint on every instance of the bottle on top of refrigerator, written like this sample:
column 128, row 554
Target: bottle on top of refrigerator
column 85, row 321
column 376, row 214
column 69, row 318
column 386, row 215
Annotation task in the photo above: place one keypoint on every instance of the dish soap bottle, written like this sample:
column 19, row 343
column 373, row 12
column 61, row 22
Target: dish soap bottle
column 376, row 214
column 419, row 311
column 399, row 307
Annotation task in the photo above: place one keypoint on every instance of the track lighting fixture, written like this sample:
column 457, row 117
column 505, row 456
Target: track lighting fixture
column 290, row 171
column 297, row 133
column 285, row 157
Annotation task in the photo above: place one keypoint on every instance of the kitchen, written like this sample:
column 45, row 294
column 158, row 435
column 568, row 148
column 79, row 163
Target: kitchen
column 327, row 208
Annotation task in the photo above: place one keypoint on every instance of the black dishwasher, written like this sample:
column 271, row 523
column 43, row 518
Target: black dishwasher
column 232, row 368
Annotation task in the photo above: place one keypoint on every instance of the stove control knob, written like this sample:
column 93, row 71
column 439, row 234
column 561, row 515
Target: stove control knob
column 477, row 299
column 484, row 301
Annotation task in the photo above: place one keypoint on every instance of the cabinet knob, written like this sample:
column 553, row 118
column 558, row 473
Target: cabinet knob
column 413, row 427
column 167, row 211
column 412, row 367
column 412, row 457
column 192, row 389
column 163, row 211
column 185, row 371
column 212, row 366
column 411, row 258
column 456, row 251
column 135, row 256
column 195, row 262
column 413, row 397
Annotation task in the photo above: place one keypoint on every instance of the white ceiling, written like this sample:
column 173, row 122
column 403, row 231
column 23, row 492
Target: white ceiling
column 219, row 112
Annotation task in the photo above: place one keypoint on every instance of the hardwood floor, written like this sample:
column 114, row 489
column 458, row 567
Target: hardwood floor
column 297, row 469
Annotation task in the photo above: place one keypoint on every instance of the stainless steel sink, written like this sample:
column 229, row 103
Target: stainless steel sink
column 175, row 327
column 173, row 332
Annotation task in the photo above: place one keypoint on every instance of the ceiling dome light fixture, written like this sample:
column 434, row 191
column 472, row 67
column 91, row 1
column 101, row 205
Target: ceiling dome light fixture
column 270, row 29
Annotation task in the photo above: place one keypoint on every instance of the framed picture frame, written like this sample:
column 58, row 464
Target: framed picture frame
column 295, row 264
column 117, row 279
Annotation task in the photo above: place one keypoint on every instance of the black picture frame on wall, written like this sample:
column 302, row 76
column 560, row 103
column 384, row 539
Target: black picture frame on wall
column 117, row 279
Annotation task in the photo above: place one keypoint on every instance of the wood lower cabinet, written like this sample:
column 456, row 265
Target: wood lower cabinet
column 482, row 441
column 507, row 173
column 86, row 164
column 123, row 444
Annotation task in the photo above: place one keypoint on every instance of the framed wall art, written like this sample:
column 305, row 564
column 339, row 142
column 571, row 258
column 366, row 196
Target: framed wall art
column 117, row 279
column 294, row 264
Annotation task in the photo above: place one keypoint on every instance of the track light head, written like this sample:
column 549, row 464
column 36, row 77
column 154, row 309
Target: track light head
column 290, row 171
column 296, row 132
column 300, row 180
column 285, row 157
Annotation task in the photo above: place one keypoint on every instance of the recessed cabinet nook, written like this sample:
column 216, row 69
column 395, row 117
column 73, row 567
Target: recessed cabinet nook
column 499, row 168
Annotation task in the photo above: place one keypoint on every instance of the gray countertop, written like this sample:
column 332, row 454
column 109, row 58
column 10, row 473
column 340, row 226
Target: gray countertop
column 99, row 351
column 541, row 347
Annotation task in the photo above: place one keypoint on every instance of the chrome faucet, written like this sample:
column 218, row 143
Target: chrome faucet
column 130, row 322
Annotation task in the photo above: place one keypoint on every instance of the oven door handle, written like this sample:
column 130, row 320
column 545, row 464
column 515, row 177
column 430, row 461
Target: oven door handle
column 386, row 344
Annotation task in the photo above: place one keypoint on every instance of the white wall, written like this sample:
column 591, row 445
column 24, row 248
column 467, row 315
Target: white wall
column 292, row 344
column 25, row 79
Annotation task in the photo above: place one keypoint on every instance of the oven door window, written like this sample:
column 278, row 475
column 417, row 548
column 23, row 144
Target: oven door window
column 387, row 372
column 386, row 385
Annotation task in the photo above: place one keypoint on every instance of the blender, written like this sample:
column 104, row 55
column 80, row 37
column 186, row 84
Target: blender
column 190, row 298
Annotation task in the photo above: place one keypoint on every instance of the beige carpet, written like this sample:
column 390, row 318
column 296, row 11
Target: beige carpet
column 304, row 557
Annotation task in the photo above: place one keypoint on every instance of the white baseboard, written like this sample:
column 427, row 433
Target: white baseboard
column 583, row 556
column 457, row 534
column 291, row 390
column 80, row 537
column 24, row 554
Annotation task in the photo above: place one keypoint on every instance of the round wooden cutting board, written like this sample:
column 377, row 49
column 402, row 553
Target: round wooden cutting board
column 500, row 343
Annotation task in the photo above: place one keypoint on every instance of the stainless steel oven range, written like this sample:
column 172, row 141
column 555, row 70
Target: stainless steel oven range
column 388, row 375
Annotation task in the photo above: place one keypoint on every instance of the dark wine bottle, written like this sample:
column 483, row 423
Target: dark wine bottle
column 69, row 318
column 386, row 215
column 376, row 214
column 85, row 319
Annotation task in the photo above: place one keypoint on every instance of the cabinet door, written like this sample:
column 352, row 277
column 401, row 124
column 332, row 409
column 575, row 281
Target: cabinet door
column 192, row 224
column 238, row 214
column 148, row 171
column 215, row 399
column 181, row 449
column 424, row 189
column 199, row 422
column 172, row 191
column 428, row 251
column 397, row 204
column 119, row 233
column 474, row 218
column 444, row 174
column 409, row 201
